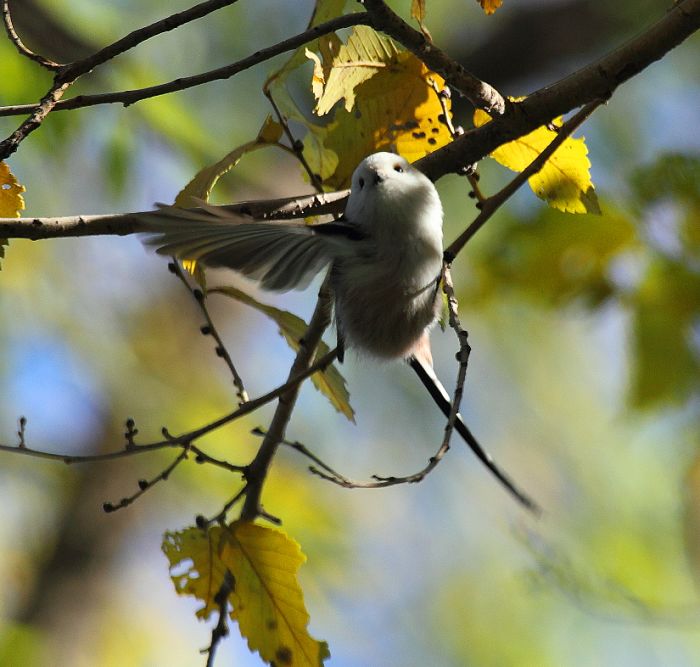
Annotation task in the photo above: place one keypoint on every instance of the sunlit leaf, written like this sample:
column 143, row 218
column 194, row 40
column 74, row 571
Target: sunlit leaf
column 343, row 67
column 564, row 182
column 490, row 6
column 11, row 200
column 260, row 566
column 329, row 382
column 396, row 109
column 325, row 10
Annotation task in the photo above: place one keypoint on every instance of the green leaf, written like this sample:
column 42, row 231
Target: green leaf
column 329, row 382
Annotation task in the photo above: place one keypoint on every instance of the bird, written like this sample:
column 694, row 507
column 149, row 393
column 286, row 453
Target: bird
column 384, row 255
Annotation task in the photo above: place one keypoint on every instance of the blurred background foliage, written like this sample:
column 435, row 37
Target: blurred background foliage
column 583, row 381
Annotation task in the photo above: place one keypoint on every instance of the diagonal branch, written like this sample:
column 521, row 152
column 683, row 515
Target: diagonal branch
column 478, row 92
column 596, row 81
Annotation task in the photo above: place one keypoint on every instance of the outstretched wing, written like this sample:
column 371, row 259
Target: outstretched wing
column 282, row 255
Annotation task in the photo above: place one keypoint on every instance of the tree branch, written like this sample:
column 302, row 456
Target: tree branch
column 67, row 75
column 19, row 45
column 123, row 224
column 478, row 92
column 257, row 470
column 127, row 97
column 596, row 81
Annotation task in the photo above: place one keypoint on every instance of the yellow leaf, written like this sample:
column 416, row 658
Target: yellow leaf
column 418, row 13
column 490, row 6
column 200, row 187
column 265, row 597
column 396, row 109
column 565, row 181
column 343, row 67
column 418, row 10
column 11, row 200
column 324, row 10
column 329, row 382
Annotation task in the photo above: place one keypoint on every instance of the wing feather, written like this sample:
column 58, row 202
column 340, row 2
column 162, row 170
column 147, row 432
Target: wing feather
column 283, row 255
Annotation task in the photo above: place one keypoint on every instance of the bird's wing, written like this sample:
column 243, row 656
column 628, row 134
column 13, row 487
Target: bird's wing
column 281, row 255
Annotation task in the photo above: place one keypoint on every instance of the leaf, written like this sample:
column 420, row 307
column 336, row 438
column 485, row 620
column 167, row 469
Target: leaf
column 200, row 187
column 490, row 6
column 564, row 182
column 343, row 67
column 329, row 382
column 418, row 13
column 266, row 599
column 11, row 200
column 324, row 10
column 395, row 109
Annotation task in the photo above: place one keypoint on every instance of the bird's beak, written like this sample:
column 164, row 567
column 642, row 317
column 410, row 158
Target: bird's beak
column 378, row 177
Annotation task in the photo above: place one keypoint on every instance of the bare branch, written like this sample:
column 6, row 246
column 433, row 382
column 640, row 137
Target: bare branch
column 187, row 438
column 462, row 355
column 210, row 330
column 19, row 45
column 127, row 97
column 145, row 485
column 596, row 81
column 478, row 92
column 68, row 74
column 123, row 224
column 257, row 471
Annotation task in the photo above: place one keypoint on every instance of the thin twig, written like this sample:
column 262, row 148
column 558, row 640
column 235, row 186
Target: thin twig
column 69, row 74
column 259, row 466
column 210, row 330
column 145, row 485
column 462, row 355
column 187, row 438
column 492, row 204
column 19, row 44
column 220, row 630
column 127, row 97
column 297, row 146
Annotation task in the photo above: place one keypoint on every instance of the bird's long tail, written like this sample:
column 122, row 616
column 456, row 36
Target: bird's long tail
column 431, row 382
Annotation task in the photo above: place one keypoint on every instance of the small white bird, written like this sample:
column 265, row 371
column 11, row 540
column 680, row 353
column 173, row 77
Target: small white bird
column 385, row 257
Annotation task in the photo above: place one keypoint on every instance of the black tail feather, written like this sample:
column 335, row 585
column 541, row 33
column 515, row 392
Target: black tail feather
column 442, row 399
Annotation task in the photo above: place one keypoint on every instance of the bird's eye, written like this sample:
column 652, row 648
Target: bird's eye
column 398, row 168
column 361, row 181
